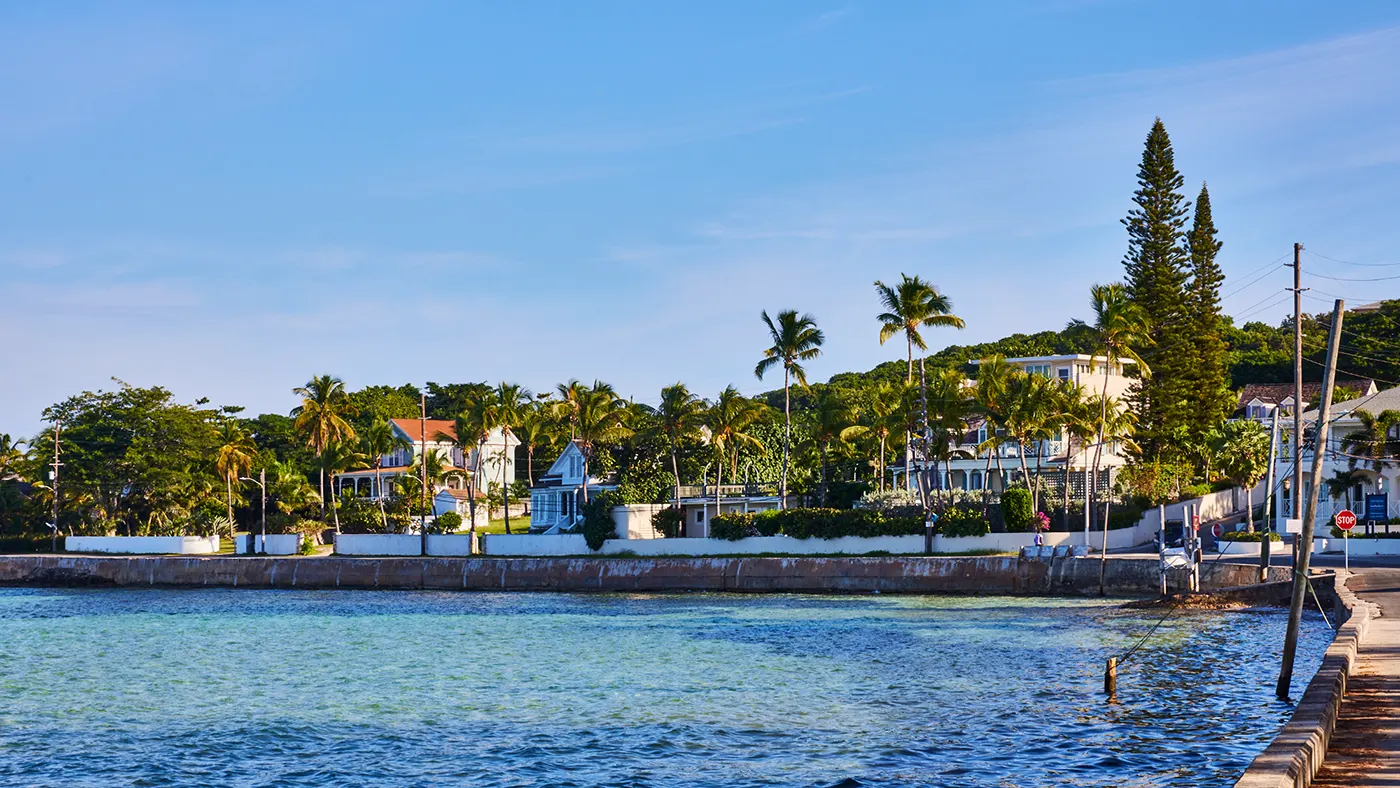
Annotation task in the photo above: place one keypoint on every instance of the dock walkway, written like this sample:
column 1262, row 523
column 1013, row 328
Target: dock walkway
column 1365, row 747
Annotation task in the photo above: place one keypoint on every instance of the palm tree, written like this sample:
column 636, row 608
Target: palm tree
column 949, row 405
column 1081, row 417
column 1245, row 458
column 727, row 420
column 288, row 488
column 377, row 440
column 795, row 339
column 1120, row 326
column 679, row 417
column 909, row 306
column 1343, row 482
column 511, row 403
column 833, row 420
column 533, row 430
column 1031, row 416
column 599, row 417
column 1373, row 443
column 471, row 430
column 570, row 395
column 232, row 459
column 885, row 401
column 993, row 375
column 10, row 456
column 321, row 418
column 338, row 458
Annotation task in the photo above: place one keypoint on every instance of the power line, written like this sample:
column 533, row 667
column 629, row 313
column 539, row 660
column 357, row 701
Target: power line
column 1353, row 279
column 1276, row 302
column 1348, row 262
column 1246, row 285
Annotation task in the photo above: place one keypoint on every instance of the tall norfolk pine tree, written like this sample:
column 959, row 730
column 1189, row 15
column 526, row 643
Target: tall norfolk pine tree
column 1157, row 265
column 1212, row 400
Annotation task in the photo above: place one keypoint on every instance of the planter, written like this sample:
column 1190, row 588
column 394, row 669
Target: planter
column 277, row 544
column 143, row 545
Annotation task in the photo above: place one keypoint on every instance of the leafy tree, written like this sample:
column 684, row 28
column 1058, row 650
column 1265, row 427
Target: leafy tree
column 373, row 403
column 912, row 305
column 880, row 419
column 321, row 419
column 795, row 339
column 832, row 421
column 338, row 458
column 471, row 429
column 511, row 404
column 1157, row 273
column 599, row 417
column 728, row 421
column 447, row 400
column 532, row 429
column 1209, row 390
column 1031, row 413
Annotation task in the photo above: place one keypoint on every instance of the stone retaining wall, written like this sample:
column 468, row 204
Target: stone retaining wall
column 885, row 574
column 1295, row 755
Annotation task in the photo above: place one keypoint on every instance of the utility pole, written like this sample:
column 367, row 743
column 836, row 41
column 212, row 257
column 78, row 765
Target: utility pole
column 262, row 483
column 1268, row 524
column 423, row 466
column 57, row 431
column 1296, row 510
column 1300, row 568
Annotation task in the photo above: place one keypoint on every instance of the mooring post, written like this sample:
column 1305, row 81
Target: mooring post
column 1110, row 677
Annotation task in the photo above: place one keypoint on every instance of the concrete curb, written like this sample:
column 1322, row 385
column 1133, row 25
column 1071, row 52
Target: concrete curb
column 1296, row 754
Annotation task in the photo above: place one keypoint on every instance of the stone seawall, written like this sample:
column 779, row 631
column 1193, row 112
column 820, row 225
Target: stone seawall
column 884, row 574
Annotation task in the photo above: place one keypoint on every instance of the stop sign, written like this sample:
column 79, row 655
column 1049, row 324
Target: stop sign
column 1346, row 520
column 1216, row 530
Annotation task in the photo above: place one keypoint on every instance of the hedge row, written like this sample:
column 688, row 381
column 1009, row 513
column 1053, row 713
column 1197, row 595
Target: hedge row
column 813, row 524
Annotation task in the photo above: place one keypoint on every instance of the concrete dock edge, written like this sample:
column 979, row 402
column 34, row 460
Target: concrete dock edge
column 1294, row 757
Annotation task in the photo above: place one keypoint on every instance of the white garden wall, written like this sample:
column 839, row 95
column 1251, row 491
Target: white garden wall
column 402, row 544
column 277, row 544
column 1364, row 546
column 534, row 544
column 143, row 545
column 1209, row 507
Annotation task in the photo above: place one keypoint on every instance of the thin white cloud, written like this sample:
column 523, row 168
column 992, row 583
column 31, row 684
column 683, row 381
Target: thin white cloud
column 824, row 20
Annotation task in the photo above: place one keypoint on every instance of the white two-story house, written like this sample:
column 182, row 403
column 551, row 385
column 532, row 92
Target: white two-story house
column 556, row 500
column 496, row 463
column 1364, row 476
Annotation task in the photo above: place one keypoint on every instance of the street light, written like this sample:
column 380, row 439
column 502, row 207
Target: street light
column 261, row 482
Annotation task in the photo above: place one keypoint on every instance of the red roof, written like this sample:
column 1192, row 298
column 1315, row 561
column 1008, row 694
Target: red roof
column 411, row 428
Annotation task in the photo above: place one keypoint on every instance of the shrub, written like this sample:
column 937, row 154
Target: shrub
column 813, row 524
column 963, row 521
column 1245, row 536
column 668, row 522
column 732, row 527
column 449, row 521
column 1125, row 516
column 1016, row 509
column 308, row 545
column 598, row 525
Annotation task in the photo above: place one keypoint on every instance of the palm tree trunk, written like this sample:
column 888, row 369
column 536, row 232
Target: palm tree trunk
column 719, row 478
column 335, row 510
column 882, row 463
column 823, row 475
column 1065, row 491
column 987, row 485
column 1098, row 449
column 322, row 483
column 787, row 433
column 676, row 470
column 379, row 494
column 908, row 433
column 229, row 481
column 505, row 488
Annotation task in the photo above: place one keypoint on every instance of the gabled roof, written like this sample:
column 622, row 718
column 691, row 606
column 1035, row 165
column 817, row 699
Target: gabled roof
column 413, row 428
column 1389, row 399
column 1275, row 393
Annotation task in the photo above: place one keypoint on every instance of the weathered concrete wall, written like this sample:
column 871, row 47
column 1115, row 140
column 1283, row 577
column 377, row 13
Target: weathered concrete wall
column 906, row 575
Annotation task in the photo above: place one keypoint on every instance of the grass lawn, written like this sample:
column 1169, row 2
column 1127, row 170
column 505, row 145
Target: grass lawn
column 518, row 525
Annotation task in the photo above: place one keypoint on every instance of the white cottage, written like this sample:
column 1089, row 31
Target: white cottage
column 556, row 499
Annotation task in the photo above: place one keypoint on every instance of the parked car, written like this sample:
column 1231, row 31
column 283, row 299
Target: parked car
column 1175, row 532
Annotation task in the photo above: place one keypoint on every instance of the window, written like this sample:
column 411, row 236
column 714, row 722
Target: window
column 699, row 516
column 576, row 466
column 1083, row 369
column 1064, row 373
column 1038, row 369
column 975, row 481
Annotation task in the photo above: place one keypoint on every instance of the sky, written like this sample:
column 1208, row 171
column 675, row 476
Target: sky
column 227, row 199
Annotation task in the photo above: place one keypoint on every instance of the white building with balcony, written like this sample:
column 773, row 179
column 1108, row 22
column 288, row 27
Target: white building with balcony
column 994, row 469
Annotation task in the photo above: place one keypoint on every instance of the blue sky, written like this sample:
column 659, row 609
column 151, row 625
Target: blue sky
column 229, row 198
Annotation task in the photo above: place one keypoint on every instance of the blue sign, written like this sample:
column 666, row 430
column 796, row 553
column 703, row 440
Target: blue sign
column 1376, row 507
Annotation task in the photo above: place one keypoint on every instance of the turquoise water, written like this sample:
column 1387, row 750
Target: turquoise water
column 292, row 688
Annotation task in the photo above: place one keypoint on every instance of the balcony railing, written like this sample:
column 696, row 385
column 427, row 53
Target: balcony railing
column 757, row 489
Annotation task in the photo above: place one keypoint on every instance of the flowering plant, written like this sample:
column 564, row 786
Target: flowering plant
column 1041, row 521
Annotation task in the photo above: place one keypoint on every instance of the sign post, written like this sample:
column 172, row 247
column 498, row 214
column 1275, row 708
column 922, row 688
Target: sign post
column 1346, row 521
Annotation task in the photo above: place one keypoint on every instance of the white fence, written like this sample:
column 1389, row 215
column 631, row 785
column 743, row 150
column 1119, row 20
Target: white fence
column 403, row 544
column 277, row 544
column 143, row 545
column 574, row 544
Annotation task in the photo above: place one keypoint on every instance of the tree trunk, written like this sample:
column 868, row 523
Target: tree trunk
column 505, row 487
column 229, row 481
column 676, row 469
column 908, row 433
column 882, row 463
column 1249, row 508
column 379, row 494
column 322, row 483
column 987, row 486
column 823, row 475
column 787, row 433
column 335, row 509
column 1103, row 556
column 1065, row 491
column 1098, row 448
